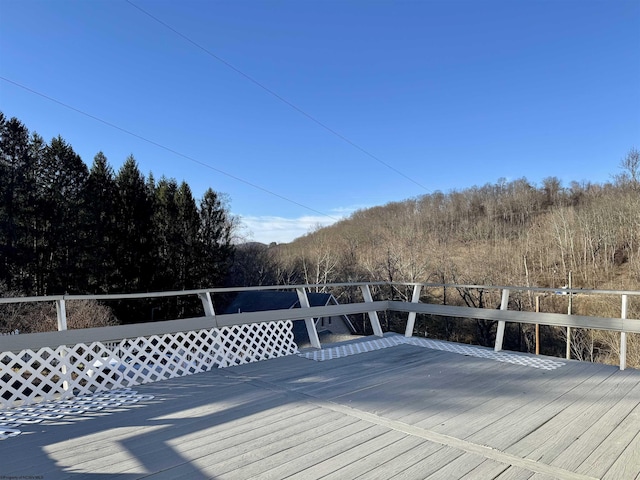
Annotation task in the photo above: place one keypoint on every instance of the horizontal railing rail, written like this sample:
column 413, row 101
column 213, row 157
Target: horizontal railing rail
column 16, row 343
column 515, row 316
column 178, row 293
column 39, row 366
column 368, row 306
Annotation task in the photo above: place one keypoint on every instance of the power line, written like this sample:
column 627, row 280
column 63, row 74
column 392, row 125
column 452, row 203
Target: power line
column 168, row 149
column 276, row 95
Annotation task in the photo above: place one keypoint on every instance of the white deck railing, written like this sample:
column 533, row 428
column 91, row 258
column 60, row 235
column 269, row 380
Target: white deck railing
column 42, row 366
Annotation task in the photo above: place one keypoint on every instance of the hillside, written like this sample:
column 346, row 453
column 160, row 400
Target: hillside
column 508, row 233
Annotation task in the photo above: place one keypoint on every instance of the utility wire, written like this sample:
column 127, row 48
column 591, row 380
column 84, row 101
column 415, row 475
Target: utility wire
column 168, row 149
column 276, row 95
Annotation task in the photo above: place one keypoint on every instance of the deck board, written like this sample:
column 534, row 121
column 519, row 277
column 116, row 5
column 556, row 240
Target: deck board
column 487, row 469
column 305, row 454
column 556, row 432
column 314, row 452
column 526, row 406
column 627, row 465
column 337, row 465
column 430, row 465
column 379, row 454
column 486, row 377
column 252, row 457
column 402, row 412
column 618, row 445
column 515, row 473
column 459, row 467
column 475, row 412
column 586, row 424
column 528, row 424
column 401, row 461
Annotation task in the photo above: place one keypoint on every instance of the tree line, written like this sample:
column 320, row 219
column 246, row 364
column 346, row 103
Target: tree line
column 67, row 228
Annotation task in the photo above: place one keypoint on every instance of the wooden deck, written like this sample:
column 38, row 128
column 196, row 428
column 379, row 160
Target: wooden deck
column 403, row 412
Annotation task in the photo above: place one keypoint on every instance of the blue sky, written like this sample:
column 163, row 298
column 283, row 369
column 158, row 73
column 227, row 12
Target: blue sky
column 392, row 99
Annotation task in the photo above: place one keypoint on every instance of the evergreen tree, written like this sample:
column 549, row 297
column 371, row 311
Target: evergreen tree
column 166, row 234
column 64, row 228
column 135, row 265
column 15, row 189
column 176, row 223
column 60, row 181
column 28, row 251
column 101, row 210
column 187, row 251
column 215, row 242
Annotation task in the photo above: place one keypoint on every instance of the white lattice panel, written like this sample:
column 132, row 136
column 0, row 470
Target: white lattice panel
column 257, row 341
column 28, row 377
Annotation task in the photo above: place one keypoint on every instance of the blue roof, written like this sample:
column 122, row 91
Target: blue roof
column 259, row 301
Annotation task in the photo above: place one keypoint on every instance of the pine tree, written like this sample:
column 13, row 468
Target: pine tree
column 189, row 222
column 134, row 230
column 215, row 241
column 101, row 210
column 60, row 181
column 15, row 188
column 65, row 229
column 166, row 234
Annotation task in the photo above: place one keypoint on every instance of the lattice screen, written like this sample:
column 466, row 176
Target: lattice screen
column 28, row 377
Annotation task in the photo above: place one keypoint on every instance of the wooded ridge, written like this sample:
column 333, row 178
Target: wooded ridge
column 507, row 233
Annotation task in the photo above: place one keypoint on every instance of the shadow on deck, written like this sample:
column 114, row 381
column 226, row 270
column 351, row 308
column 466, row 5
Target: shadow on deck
column 399, row 412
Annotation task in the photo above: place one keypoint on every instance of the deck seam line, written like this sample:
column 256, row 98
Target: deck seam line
column 460, row 444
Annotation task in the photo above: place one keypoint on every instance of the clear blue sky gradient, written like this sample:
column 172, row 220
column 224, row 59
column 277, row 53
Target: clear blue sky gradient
column 450, row 94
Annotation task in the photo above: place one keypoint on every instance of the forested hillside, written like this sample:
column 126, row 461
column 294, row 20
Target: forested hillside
column 508, row 233
column 66, row 228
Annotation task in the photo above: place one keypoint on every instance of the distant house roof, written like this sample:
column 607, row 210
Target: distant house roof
column 301, row 335
column 258, row 301
column 261, row 300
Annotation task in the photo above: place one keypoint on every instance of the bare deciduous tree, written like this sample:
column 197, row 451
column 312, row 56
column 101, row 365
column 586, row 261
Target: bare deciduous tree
column 630, row 166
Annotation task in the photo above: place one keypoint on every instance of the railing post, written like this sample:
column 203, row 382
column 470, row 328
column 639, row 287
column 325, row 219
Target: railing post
column 504, row 305
column 309, row 322
column 411, row 320
column 623, row 335
column 61, row 311
column 207, row 304
column 569, row 312
column 373, row 315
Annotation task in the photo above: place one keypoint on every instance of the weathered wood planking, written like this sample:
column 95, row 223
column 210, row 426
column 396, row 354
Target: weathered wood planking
column 181, row 412
column 461, row 466
column 431, row 388
column 563, row 428
column 515, row 473
column 525, row 408
column 625, row 436
column 487, row 469
column 524, row 413
column 314, row 452
column 295, row 418
column 380, row 452
column 593, row 416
